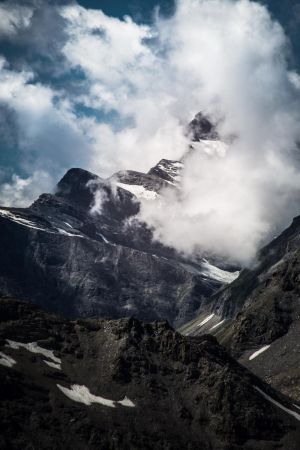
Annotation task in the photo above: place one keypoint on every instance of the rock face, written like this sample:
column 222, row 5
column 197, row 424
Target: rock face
column 202, row 128
column 82, row 252
column 261, row 308
column 123, row 384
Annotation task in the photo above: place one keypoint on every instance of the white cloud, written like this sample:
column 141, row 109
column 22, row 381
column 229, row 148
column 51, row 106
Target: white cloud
column 232, row 53
column 22, row 191
column 50, row 136
column 223, row 57
column 13, row 18
column 105, row 46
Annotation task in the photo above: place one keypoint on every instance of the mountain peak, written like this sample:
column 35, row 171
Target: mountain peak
column 202, row 128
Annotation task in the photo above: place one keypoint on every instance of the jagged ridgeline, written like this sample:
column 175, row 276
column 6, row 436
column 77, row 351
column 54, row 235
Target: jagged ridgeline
column 68, row 255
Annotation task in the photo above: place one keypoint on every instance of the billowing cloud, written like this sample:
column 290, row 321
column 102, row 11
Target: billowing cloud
column 14, row 18
column 234, row 56
column 21, row 191
column 120, row 97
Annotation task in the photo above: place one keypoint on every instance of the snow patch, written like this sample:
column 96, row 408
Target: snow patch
column 258, row 352
column 6, row 360
column 126, row 402
column 33, row 347
column 82, row 394
column 217, row 325
column 66, row 233
column 68, row 225
column 20, row 220
column 211, row 147
column 104, row 238
column 207, row 319
column 52, row 364
column 139, row 191
column 276, row 403
column 218, row 274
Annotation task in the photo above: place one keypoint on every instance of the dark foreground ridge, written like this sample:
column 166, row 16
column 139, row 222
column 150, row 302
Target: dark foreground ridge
column 124, row 384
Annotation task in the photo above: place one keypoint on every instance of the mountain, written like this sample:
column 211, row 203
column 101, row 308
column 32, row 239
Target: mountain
column 83, row 252
column 124, row 384
column 257, row 317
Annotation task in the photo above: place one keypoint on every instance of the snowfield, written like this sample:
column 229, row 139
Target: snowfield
column 82, row 394
column 139, row 191
column 218, row 274
column 33, row 347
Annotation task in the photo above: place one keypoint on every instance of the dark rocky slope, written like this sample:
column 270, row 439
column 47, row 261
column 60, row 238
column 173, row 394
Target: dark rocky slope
column 262, row 307
column 181, row 392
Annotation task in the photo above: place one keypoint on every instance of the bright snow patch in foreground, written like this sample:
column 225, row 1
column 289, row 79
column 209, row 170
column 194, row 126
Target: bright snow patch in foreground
column 126, row 402
column 207, row 319
column 52, row 364
column 82, row 394
column 33, row 347
column 284, row 408
column 139, row 191
column 258, row 352
column 6, row 360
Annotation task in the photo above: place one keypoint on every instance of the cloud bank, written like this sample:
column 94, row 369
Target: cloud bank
column 114, row 94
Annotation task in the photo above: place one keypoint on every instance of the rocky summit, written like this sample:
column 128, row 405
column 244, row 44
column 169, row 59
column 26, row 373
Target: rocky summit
column 125, row 384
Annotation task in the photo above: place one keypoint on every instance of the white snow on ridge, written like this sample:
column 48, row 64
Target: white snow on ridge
column 6, row 360
column 66, row 233
column 217, row 325
column 29, row 224
column 218, row 274
column 68, row 225
column 258, row 352
column 139, row 191
column 211, row 147
column 173, row 169
column 26, row 223
column 207, row 319
column 82, row 394
column 33, row 347
column 284, row 408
